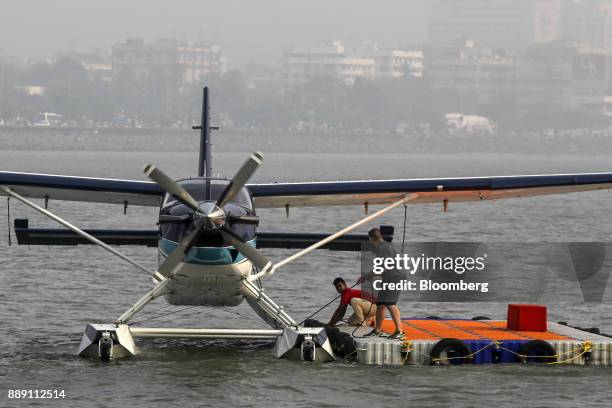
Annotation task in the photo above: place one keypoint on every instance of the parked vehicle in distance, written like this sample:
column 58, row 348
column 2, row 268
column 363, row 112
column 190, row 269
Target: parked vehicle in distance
column 458, row 122
column 46, row 119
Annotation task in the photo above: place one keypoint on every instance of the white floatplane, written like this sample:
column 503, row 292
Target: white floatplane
column 208, row 240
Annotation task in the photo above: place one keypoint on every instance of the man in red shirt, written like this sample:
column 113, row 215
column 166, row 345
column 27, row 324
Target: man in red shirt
column 364, row 311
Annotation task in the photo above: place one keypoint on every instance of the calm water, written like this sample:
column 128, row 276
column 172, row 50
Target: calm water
column 48, row 294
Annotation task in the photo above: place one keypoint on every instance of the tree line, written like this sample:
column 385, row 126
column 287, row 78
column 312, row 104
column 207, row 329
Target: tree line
column 162, row 100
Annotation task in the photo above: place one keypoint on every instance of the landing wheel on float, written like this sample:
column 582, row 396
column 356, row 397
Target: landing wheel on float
column 308, row 349
column 106, row 342
column 105, row 346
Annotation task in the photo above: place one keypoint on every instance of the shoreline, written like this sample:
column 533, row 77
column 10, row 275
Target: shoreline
column 71, row 139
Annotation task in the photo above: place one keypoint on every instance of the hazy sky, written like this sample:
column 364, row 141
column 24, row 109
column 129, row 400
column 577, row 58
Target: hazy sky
column 248, row 30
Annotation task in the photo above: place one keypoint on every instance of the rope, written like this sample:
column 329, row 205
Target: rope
column 165, row 314
column 587, row 347
column 325, row 305
column 404, row 236
column 8, row 218
column 583, row 349
column 406, row 349
column 150, row 312
column 471, row 355
column 222, row 308
column 227, row 310
column 524, row 357
column 365, row 317
column 371, row 303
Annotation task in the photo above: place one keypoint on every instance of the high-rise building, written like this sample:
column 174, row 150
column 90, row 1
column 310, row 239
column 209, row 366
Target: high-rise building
column 568, row 76
column 509, row 24
column 587, row 22
column 517, row 24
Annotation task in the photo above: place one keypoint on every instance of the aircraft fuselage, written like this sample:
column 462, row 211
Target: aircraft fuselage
column 212, row 271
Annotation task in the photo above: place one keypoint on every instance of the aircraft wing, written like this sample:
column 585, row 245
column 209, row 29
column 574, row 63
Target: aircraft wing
column 431, row 190
column 273, row 195
column 89, row 189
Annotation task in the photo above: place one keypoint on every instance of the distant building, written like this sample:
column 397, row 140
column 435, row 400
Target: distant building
column 587, row 23
column 299, row 66
column 517, row 24
column 568, row 76
column 608, row 106
column 140, row 59
column 471, row 69
column 509, row 24
column 185, row 62
column 30, row 90
column 398, row 63
column 573, row 77
column 333, row 59
column 197, row 59
column 97, row 64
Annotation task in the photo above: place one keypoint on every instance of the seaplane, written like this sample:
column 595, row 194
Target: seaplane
column 209, row 247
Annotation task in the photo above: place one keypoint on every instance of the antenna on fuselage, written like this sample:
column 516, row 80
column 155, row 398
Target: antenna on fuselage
column 205, row 159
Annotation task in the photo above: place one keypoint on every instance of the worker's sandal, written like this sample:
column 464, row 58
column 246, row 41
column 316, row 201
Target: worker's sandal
column 397, row 336
column 374, row 333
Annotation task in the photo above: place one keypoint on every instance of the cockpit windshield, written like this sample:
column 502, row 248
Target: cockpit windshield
column 197, row 189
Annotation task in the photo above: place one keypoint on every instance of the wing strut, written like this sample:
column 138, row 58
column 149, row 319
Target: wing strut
column 407, row 198
column 166, row 269
column 74, row 228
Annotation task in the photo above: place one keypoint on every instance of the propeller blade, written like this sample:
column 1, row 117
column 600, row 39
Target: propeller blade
column 240, row 179
column 174, row 219
column 257, row 258
column 170, row 186
column 243, row 219
column 167, row 268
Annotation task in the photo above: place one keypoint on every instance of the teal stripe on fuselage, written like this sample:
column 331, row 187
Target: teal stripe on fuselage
column 206, row 255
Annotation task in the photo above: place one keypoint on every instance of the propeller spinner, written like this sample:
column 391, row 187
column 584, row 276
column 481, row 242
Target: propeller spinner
column 212, row 214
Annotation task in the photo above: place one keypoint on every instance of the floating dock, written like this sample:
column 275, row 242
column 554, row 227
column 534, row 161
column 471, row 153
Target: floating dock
column 463, row 341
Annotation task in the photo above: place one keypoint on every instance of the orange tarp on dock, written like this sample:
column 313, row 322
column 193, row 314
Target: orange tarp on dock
column 433, row 329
